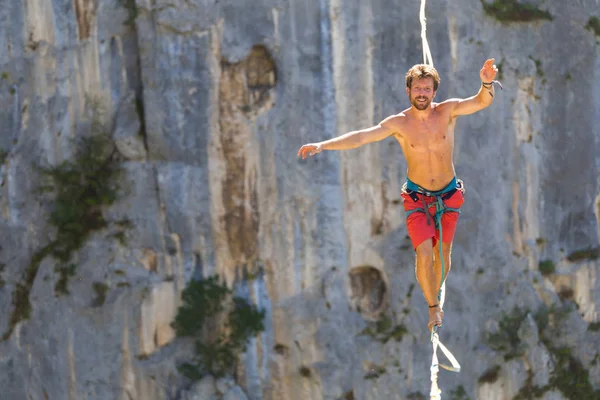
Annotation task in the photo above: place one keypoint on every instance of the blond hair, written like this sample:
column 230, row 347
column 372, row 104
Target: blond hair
column 422, row 71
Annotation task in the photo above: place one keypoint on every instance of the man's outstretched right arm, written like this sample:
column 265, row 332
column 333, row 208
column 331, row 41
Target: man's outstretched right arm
column 354, row 139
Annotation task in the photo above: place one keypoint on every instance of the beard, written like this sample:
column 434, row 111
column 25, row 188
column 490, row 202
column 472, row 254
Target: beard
column 421, row 105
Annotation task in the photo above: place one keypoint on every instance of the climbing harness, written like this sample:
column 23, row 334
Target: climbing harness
column 440, row 208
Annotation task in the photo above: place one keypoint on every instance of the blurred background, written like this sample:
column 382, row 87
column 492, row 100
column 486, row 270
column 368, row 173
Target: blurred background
column 160, row 239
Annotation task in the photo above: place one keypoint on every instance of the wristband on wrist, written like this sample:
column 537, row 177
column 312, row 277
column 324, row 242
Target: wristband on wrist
column 488, row 85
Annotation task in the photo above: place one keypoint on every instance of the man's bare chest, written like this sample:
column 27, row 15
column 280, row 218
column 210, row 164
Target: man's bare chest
column 428, row 135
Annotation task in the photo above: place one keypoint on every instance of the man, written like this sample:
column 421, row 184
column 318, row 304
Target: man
column 425, row 132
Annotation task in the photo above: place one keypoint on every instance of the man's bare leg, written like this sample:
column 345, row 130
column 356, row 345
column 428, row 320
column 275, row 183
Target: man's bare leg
column 429, row 281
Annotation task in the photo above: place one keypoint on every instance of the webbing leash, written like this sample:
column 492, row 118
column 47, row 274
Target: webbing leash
column 427, row 58
column 435, row 392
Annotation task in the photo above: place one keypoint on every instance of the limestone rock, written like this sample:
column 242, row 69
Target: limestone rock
column 539, row 362
column 127, row 135
column 204, row 389
column 224, row 385
column 229, row 91
column 158, row 310
column 235, row 393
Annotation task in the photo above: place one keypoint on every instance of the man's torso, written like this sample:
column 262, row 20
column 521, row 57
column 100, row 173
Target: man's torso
column 428, row 147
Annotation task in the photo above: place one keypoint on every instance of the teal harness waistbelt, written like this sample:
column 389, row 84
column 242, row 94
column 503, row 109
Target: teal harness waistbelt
column 412, row 189
column 410, row 185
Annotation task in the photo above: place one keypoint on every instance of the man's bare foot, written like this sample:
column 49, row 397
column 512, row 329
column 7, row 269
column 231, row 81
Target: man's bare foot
column 436, row 315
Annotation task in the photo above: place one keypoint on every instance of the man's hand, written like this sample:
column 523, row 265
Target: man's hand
column 310, row 149
column 488, row 72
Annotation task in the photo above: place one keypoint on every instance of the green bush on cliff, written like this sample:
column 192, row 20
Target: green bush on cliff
column 590, row 253
column 3, row 156
column 383, row 330
column 593, row 25
column 546, row 267
column 506, row 339
column 82, row 187
column 514, row 11
column 221, row 324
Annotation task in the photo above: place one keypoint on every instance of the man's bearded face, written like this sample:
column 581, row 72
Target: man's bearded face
column 421, row 93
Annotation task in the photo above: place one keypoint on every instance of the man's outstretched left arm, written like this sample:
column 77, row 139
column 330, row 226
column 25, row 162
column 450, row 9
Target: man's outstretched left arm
column 482, row 99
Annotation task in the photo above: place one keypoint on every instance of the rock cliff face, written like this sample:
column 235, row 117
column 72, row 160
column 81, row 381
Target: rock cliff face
column 207, row 103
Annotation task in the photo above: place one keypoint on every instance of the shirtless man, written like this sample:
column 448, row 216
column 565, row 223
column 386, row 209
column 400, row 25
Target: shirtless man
column 425, row 131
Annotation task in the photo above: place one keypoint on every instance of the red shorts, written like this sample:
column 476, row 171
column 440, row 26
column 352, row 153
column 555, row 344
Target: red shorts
column 416, row 223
